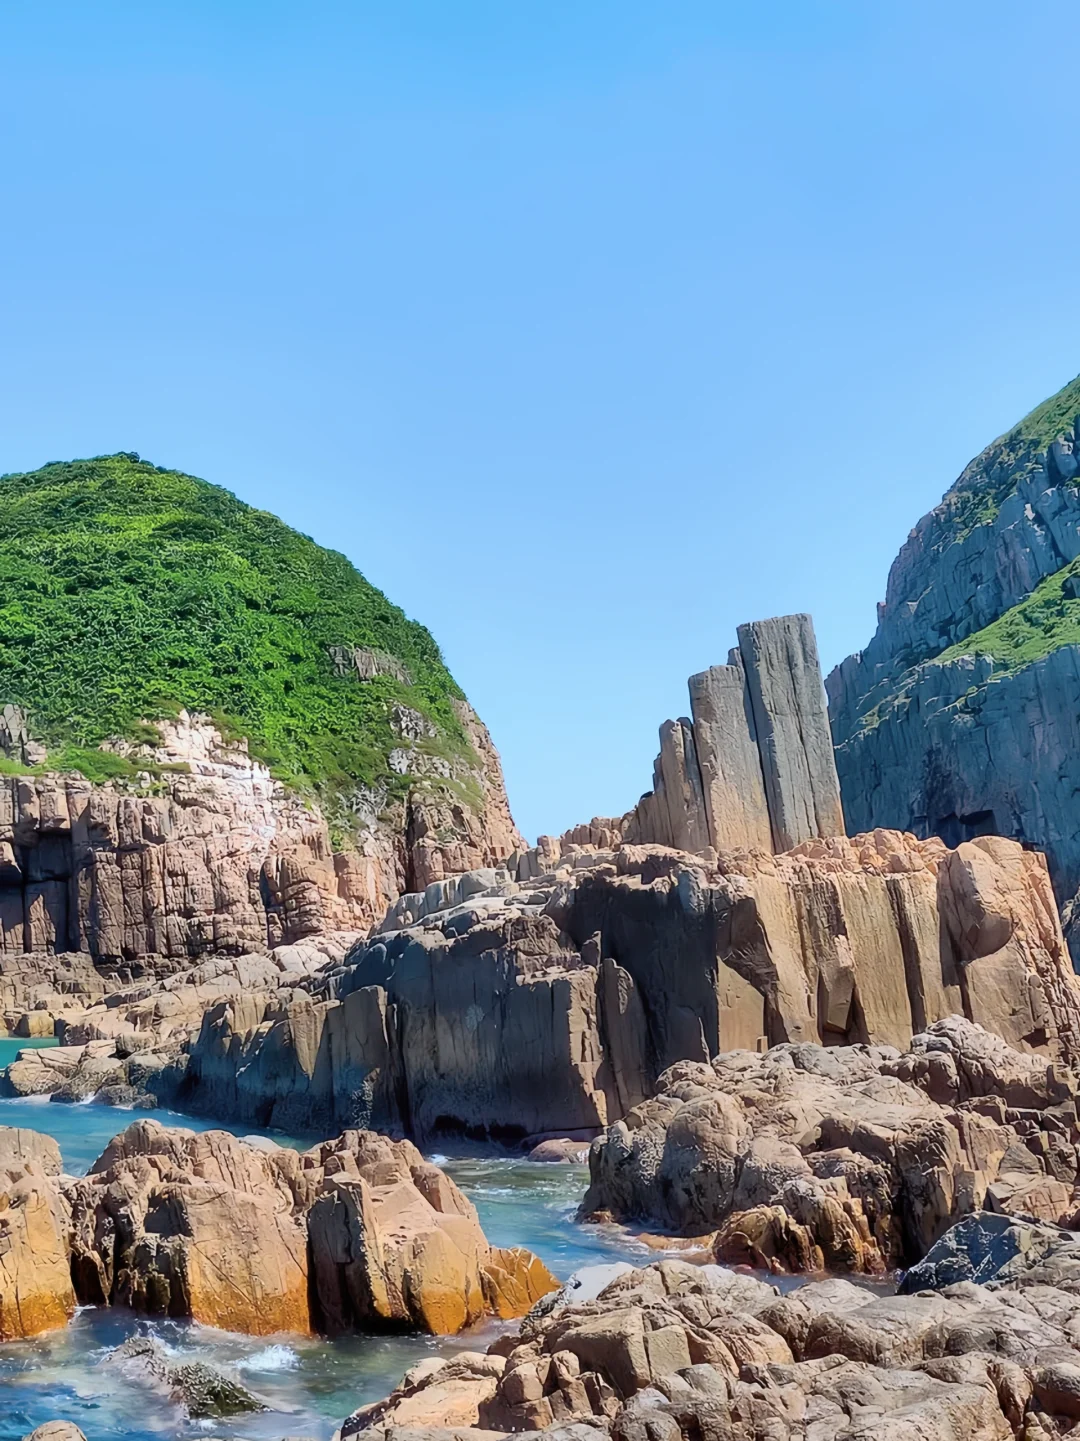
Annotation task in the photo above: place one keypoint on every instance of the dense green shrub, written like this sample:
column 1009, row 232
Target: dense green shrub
column 128, row 591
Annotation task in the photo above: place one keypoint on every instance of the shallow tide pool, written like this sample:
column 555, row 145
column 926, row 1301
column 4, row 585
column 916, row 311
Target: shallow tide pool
column 309, row 1385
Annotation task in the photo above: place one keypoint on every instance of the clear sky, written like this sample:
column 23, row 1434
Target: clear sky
column 586, row 328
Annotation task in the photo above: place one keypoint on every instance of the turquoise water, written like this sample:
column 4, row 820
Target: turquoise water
column 82, row 1131
column 10, row 1046
column 309, row 1385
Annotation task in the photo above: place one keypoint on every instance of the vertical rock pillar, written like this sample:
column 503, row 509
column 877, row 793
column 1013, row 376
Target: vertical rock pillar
column 727, row 752
column 680, row 786
column 783, row 677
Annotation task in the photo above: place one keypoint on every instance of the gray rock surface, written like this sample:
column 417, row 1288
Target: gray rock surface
column 985, row 1246
column 754, row 769
column 783, row 675
column 970, row 746
column 727, row 749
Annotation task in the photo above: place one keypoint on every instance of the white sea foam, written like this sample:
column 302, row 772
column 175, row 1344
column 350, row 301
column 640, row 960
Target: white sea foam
column 270, row 1358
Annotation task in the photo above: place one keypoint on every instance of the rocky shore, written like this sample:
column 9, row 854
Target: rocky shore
column 852, row 1159
column 793, row 1052
column 678, row 1351
column 358, row 1233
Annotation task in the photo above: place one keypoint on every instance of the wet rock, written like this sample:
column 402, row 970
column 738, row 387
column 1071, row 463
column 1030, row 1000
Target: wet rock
column 56, row 1431
column 567, row 1152
column 202, row 1391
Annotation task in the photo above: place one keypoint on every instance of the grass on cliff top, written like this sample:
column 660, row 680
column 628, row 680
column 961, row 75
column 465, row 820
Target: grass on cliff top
column 1042, row 622
column 989, row 479
column 128, row 591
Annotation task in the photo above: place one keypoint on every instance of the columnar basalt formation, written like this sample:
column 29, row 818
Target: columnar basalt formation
column 736, row 811
column 784, row 677
column 551, row 1005
column 754, row 768
column 959, row 717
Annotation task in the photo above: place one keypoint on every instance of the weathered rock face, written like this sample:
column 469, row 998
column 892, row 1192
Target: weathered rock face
column 784, row 676
column 171, row 1223
column 551, row 1006
column 754, row 768
column 359, row 1231
column 222, row 859
column 845, row 1159
column 941, row 742
column 35, row 1282
column 678, row 1351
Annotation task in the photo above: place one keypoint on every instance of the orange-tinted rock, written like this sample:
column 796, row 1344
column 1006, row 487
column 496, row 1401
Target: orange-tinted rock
column 513, row 1280
column 35, row 1278
column 203, row 1225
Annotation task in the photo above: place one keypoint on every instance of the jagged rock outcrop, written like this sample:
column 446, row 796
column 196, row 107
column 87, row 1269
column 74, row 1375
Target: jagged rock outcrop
column 35, row 1281
column 679, row 1351
column 222, row 859
column 996, row 1249
column 844, row 1159
column 959, row 718
column 550, row 1006
column 754, row 768
column 359, row 1231
column 197, row 1390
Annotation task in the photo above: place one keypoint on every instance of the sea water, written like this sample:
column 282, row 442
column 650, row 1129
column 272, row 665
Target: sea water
column 308, row 1385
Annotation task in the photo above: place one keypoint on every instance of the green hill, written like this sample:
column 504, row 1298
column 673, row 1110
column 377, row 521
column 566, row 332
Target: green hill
column 128, row 591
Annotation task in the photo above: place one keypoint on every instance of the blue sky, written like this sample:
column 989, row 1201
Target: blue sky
column 587, row 330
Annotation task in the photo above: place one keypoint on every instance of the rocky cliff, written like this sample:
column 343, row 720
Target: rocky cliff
column 543, row 995
column 511, row 1009
column 215, row 735
column 960, row 717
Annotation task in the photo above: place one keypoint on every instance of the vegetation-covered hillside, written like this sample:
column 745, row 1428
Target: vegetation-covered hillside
column 128, row 591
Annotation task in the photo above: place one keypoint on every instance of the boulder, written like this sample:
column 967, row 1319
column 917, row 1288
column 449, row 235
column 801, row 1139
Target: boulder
column 678, row 1351
column 847, row 1159
column 988, row 1245
column 201, row 1391
column 170, row 1222
column 174, row 1223
column 561, row 1151
column 35, row 1280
